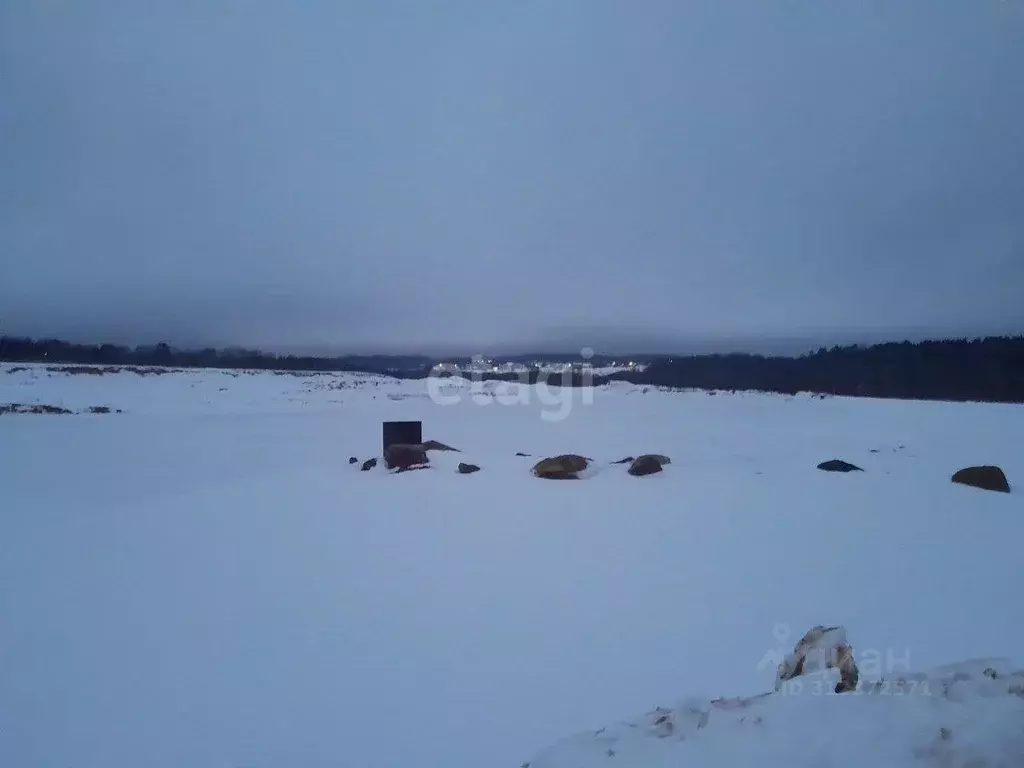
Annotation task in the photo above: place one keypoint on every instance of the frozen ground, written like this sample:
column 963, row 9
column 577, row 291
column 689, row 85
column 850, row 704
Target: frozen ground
column 203, row 579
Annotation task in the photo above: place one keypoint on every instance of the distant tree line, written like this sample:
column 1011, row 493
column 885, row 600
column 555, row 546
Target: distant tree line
column 55, row 351
column 989, row 369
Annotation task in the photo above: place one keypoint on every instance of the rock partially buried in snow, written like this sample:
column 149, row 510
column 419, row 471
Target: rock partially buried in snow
column 521, row 454
column 987, row 478
column 402, row 456
column 627, row 460
column 648, row 465
column 37, row 408
column 821, row 648
column 564, row 467
column 433, row 445
column 353, row 460
column 467, row 469
column 838, row 465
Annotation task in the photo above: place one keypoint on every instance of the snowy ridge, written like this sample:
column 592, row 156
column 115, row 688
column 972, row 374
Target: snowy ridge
column 967, row 715
column 149, row 389
column 154, row 389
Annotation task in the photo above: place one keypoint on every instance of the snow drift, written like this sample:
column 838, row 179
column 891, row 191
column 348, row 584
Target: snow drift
column 966, row 715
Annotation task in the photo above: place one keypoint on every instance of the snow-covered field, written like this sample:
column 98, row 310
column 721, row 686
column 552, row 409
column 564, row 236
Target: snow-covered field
column 203, row 580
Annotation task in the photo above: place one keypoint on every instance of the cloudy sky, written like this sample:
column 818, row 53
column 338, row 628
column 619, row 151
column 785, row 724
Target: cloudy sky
column 417, row 174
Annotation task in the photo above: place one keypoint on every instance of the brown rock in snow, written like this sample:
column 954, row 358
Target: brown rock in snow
column 988, row 478
column 564, row 467
column 644, row 465
column 401, row 456
column 821, row 648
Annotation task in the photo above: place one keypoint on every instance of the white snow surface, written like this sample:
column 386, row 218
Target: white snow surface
column 204, row 580
column 956, row 716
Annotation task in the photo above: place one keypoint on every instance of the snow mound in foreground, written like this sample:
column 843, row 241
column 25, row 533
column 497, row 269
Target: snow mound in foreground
column 967, row 715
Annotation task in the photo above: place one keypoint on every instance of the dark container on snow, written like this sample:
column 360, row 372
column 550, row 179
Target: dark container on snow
column 401, row 433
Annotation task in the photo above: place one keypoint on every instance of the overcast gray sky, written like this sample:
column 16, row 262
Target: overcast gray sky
column 473, row 173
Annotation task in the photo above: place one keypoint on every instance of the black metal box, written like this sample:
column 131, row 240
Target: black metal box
column 401, row 433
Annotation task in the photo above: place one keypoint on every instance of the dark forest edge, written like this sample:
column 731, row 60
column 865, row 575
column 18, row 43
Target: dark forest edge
column 989, row 369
